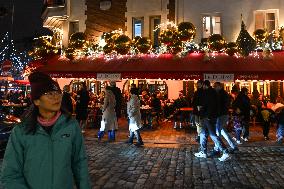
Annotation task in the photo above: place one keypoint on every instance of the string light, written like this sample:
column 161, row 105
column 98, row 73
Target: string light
column 19, row 59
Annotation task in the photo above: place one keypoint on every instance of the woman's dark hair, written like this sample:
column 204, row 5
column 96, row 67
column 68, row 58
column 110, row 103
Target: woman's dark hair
column 29, row 117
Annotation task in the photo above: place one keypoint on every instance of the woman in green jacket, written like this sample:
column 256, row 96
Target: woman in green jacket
column 45, row 150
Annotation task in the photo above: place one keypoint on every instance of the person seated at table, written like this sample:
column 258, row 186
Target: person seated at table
column 180, row 102
column 15, row 97
column 156, row 107
column 146, row 113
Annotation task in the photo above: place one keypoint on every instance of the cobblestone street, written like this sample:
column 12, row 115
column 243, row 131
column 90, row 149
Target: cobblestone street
column 167, row 161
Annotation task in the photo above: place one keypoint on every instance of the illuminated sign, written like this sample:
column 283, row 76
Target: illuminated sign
column 219, row 77
column 109, row 76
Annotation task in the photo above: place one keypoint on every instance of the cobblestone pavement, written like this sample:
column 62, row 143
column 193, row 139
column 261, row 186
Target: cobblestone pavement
column 167, row 161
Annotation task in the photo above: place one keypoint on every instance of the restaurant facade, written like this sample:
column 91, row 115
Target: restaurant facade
column 169, row 72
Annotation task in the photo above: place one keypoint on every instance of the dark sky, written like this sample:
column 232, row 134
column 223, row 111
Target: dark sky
column 27, row 19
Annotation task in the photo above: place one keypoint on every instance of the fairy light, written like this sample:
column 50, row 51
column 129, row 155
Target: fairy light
column 19, row 59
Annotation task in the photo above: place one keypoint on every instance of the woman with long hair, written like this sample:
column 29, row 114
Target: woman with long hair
column 46, row 149
column 109, row 120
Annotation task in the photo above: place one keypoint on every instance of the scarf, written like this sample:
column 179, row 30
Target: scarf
column 48, row 123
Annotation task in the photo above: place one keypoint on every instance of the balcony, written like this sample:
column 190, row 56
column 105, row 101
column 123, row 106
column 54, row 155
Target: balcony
column 54, row 13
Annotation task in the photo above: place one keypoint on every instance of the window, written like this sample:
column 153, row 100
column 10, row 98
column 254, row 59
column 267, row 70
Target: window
column 211, row 25
column 73, row 27
column 154, row 35
column 266, row 19
column 137, row 24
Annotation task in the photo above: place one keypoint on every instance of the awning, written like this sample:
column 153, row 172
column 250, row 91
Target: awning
column 168, row 66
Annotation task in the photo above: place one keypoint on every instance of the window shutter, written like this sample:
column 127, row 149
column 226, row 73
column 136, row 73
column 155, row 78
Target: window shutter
column 259, row 20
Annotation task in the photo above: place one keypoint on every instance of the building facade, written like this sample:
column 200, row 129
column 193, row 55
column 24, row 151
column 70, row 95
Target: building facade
column 65, row 17
column 224, row 16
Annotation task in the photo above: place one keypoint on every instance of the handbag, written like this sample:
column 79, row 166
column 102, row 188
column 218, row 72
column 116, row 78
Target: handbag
column 103, row 125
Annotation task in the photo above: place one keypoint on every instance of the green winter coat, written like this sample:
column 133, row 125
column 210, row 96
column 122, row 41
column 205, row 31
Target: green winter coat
column 43, row 161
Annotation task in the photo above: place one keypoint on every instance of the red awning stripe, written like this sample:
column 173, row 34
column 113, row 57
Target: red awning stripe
column 169, row 66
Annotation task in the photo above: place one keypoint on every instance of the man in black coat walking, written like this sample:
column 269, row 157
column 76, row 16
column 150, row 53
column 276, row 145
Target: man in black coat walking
column 208, row 117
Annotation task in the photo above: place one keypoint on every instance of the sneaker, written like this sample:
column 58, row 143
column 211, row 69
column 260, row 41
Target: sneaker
column 214, row 153
column 238, row 142
column 245, row 139
column 279, row 140
column 224, row 157
column 200, row 154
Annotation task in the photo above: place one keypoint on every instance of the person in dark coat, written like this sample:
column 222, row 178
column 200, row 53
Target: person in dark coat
column 209, row 115
column 243, row 107
column 67, row 100
column 196, row 103
column 82, row 105
column 118, row 98
column 223, row 116
column 180, row 102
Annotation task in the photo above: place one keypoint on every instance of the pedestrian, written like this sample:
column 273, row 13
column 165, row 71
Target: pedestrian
column 280, row 125
column 67, row 99
column 242, row 107
column 82, row 106
column 178, row 115
column 118, row 98
column 134, row 115
column 208, row 117
column 45, row 150
column 196, row 102
column 267, row 116
column 223, row 101
column 109, row 120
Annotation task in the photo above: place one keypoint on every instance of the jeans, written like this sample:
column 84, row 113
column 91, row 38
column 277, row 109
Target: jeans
column 198, row 124
column 221, row 130
column 280, row 131
column 137, row 135
column 245, row 124
column 209, row 128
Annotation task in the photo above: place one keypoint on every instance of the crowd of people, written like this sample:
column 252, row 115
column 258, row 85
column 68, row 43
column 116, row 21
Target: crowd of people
column 50, row 138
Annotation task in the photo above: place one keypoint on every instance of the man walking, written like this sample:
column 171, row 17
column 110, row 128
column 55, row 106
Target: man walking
column 223, row 117
column 208, row 117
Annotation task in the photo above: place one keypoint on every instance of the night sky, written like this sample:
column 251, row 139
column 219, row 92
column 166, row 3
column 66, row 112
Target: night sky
column 27, row 20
